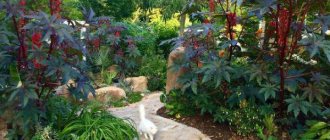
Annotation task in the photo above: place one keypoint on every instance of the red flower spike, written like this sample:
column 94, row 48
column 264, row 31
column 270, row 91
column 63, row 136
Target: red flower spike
column 96, row 42
column 272, row 24
column 206, row 21
column 55, row 6
column 231, row 17
column 36, row 40
column 36, row 64
column 212, row 5
column 283, row 21
column 22, row 3
column 117, row 34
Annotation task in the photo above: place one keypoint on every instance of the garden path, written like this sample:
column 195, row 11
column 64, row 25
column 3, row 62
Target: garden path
column 167, row 129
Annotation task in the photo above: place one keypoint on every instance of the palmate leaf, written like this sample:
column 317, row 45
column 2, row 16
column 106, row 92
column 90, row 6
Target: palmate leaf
column 189, row 80
column 320, row 79
column 324, row 21
column 263, row 8
column 23, row 92
column 314, row 43
column 314, row 91
column 133, row 52
column 258, row 72
column 298, row 104
column 292, row 84
column 216, row 71
column 269, row 90
column 238, row 2
column 50, row 25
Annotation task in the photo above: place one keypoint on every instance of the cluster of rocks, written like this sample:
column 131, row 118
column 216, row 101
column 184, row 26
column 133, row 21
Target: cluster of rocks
column 136, row 84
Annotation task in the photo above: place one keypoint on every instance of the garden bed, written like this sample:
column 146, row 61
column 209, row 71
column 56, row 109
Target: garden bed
column 206, row 125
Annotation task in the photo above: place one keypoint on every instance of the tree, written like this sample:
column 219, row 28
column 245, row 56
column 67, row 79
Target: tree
column 120, row 9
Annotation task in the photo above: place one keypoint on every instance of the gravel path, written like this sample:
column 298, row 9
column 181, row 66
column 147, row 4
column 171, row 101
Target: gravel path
column 167, row 129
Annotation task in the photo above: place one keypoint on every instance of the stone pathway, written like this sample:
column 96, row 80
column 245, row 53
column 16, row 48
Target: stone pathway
column 167, row 129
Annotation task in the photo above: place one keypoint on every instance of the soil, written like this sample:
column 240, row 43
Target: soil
column 205, row 124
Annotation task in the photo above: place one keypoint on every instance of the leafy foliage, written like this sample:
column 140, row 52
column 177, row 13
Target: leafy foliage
column 298, row 104
column 245, row 120
column 154, row 67
column 176, row 103
column 95, row 123
column 130, row 99
column 119, row 9
column 317, row 130
column 285, row 59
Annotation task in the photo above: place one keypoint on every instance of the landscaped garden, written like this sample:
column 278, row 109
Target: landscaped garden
column 164, row 69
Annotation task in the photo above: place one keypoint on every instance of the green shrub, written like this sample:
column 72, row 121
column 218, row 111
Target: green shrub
column 131, row 98
column 154, row 68
column 245, row 120
column 177, row 103
column 165, row 30
column 46, row 133
column 317, row 130
column 148, row 37
column 95, row 123
column 60, row 111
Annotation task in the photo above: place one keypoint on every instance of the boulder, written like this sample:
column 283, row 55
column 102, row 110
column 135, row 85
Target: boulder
column 3, row 129
column 172, row 76
column 103, row 94
column 113, row 68
column 137, row 84
column 63, row 90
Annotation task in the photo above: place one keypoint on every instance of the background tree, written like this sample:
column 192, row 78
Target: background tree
column 119, row 9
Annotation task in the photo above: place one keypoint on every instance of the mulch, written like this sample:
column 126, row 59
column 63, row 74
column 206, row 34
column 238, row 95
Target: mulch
column 206, row 125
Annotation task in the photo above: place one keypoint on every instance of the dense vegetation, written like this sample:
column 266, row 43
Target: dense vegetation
column 256, row 78
column 260, row 80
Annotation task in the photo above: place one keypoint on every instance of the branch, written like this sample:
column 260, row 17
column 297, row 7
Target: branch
column 299, row 75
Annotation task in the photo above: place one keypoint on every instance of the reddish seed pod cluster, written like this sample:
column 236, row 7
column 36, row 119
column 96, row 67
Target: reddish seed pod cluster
column 272, row 24
column 20, row 24
column 117, row 34
column 283, row 22
column 22, row 3
column 36, row 41
column 206, row 21
column 96, row 42
column 55, row 6
column 212, row 5
column 231, row 17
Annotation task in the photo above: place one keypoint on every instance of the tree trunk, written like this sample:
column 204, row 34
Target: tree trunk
column 182, row 23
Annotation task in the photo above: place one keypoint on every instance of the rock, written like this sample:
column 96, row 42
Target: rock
column 138, row 84
column 113, row 68
column 63, row 90
column 172, row 76
column 3, row 129
column 172, row 134
column 103, row 94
